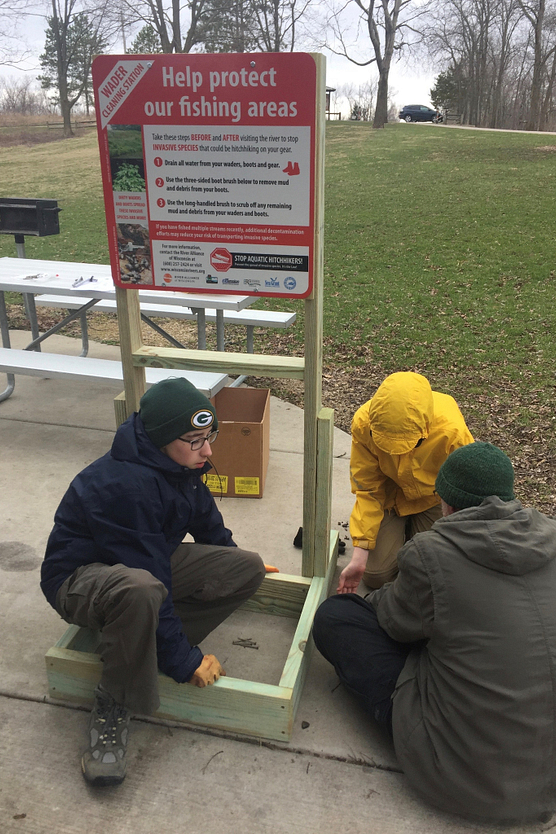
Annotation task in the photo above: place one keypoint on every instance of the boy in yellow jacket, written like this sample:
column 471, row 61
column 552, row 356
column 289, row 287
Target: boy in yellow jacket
column 400, row 439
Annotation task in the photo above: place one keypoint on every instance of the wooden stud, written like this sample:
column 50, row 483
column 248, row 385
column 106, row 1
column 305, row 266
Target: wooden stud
column 250, row 364
column 325, row 451
column 129, row 324
column 120, row 410
column 313, row 338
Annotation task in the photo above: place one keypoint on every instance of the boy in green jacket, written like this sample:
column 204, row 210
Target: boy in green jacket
column 457, row 656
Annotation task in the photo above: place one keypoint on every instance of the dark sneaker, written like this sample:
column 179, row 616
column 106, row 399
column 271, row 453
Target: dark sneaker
column 103, row 763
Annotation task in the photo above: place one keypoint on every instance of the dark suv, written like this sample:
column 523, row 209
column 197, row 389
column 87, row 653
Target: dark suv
column 419, row 113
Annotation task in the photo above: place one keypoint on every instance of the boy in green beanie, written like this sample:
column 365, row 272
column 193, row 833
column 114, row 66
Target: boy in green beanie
column 457, row 656
column 116, row 562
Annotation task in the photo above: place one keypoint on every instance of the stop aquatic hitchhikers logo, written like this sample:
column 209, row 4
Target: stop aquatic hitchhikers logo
column 117, row 86
column 290, row 283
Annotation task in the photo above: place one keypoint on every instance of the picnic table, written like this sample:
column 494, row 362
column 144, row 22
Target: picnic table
column 92, row 283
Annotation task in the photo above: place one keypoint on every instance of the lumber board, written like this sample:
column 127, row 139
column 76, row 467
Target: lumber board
column 296, row 662
column 246, row 707
column 299, row 681
column 236, row 364
column 281, row 594
column 129, row 325
column 325, row 450
column 120, row 409
column 313, row 337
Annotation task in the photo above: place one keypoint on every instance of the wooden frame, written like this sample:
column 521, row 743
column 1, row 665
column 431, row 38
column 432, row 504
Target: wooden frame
column 246, row 707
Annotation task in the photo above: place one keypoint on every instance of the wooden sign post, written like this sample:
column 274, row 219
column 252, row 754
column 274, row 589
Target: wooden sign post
column 236, row 104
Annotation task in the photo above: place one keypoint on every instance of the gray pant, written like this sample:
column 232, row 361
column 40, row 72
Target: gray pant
column 208, row 583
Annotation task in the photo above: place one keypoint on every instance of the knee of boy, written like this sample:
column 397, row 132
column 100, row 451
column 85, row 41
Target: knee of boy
column 325, row 617
column 255, row 564
column 145, row 590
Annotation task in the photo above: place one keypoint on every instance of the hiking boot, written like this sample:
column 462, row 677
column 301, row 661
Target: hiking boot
column 103, row 763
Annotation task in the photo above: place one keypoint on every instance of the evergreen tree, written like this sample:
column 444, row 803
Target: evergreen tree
column 70, row 45
column 147, row 42
column 448, row 91
column 227, row 26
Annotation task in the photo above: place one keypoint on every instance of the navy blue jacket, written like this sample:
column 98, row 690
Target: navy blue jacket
column 133, row 506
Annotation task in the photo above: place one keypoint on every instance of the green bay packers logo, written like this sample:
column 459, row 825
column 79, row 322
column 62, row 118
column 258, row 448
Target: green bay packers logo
column 202, row 419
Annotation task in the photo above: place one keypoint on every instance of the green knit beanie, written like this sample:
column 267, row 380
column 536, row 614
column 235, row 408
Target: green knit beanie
column 174, row 407
column 472, row 473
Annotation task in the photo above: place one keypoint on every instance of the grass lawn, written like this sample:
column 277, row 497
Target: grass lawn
column 439, row 257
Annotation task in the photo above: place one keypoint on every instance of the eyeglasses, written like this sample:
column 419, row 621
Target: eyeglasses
column 199, row 442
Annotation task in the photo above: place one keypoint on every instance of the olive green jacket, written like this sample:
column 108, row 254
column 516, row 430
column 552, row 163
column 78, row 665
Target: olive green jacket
column 474, row 710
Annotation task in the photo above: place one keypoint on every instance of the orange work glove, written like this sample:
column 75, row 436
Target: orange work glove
column 208, row 672
column 271, row 569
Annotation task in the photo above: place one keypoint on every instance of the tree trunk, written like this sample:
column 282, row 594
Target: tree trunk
column 538, row 66
column 66, row 116
column 381, row 111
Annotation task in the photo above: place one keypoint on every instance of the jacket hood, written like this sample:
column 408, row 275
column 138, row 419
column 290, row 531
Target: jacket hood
column 501, row 535
column 401, row 412
column 132, row 444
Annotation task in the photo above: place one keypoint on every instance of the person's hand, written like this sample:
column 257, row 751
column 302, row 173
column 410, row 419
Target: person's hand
column 351, row 575
column 208, row 672
column 271, row 569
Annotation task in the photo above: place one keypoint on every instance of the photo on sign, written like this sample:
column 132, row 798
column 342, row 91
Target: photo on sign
column 127, row 169
column 125, row 145
column 134, row 253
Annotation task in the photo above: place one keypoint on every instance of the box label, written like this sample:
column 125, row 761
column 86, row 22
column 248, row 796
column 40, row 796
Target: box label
column 217, row 483
column 247, row 486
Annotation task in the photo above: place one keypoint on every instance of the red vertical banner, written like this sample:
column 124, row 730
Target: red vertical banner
column 208, row 165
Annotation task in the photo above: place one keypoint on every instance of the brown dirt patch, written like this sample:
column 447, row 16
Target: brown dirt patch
column 13, row 136
column 490, row 416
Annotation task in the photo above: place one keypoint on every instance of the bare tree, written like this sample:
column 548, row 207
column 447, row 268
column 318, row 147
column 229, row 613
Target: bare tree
column 476, row 41
column 391, row 26
column 12, row 12
column 18, row 95
column 501, row 54
column 276, row 23
column 176, row 24
column 541, row 17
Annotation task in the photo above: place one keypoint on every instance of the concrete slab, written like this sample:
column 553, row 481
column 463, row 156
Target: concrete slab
column 338, row 769
column 180, row 780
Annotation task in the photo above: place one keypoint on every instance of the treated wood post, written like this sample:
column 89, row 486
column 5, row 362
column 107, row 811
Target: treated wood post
column 129, row 324
column 313, row 339
column 325, row 445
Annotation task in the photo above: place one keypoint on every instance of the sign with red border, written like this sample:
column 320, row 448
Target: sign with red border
column 208, row 166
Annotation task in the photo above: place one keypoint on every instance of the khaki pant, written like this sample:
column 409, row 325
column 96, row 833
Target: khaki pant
column 394, row 531
column 208, row 584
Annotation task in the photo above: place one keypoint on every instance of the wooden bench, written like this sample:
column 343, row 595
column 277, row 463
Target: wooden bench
column 32, row 363
column 247, row 318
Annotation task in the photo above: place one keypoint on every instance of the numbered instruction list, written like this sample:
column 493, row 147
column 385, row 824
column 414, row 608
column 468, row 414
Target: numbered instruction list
column 238, row 202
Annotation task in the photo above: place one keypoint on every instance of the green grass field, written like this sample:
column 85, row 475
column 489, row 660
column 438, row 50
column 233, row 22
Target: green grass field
column 439, row 257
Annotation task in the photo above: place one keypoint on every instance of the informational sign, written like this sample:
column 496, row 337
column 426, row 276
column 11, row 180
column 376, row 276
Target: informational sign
column 208, row 165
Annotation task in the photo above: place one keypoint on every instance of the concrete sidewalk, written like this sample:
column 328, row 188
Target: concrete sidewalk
column 337, row 773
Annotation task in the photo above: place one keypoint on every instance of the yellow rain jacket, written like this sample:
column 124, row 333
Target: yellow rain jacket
column 388, row 470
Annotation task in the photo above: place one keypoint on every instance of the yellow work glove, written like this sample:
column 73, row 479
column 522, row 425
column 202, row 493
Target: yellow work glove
column 271, row 569
column 208, row 672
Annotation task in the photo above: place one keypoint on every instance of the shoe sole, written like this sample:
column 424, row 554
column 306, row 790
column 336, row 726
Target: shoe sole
column 102, row 781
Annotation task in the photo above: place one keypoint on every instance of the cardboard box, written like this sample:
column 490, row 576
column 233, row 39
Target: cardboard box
column 240, row 453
